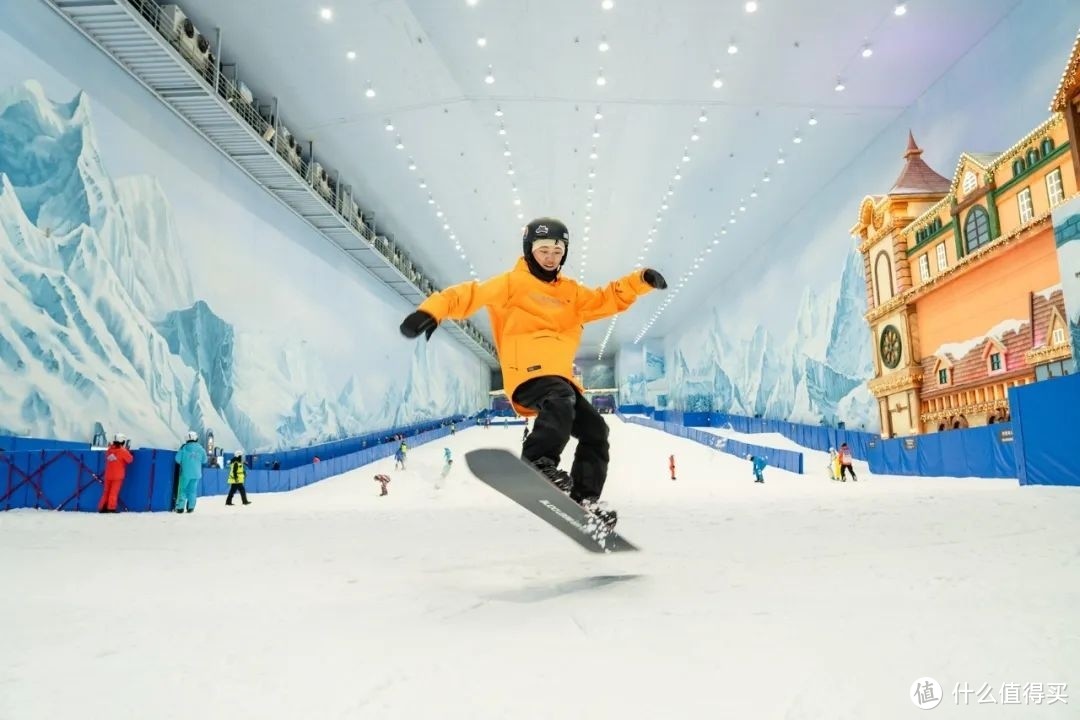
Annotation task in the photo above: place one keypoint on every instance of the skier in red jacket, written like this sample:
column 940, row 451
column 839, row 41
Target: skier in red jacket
column 117, row 458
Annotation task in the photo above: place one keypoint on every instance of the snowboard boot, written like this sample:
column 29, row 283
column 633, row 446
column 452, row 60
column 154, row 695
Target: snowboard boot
column 605, row 515
column 559, row 478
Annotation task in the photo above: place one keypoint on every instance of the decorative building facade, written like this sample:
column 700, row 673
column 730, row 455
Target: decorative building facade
column 963, row 284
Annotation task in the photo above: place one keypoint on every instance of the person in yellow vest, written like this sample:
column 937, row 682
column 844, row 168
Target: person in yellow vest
column 237, row 475
column 834, row 464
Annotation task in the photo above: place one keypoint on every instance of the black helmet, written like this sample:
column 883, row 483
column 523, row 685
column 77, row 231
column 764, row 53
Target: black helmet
column 544, row 228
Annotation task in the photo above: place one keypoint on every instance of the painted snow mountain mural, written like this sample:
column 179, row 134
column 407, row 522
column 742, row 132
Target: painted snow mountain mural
column 816, row 374
column 102, row 324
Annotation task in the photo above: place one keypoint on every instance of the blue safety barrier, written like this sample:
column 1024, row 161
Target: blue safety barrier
column 1045, row 418
column 67, row 479
column 784, row 459
column 14, row 443
column 986, row 452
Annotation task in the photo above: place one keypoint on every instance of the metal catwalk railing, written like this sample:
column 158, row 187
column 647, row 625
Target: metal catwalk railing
column 157, row 46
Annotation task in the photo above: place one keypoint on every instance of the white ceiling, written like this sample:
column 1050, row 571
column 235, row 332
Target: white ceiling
column 422, row 59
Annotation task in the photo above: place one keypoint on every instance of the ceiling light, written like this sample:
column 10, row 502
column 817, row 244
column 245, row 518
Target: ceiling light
column 717, row 81
column 812, row 120
column 423, row 184
column 453, row 236
column 839, row 87
column 703, row 118
column 471, row 3
column 780, row 159
column 715, row 241
column 592, row 173
column 351, row 55
column 797, row 139
column 732, row 48
column 607, row 4
column 520, row 216
column 430, row 200
column 490, row 77
column 603, row 46
column 400, row 145
column 412, row 165
column 751, row 6
column 753, row 193
column 438, row 213
column 326, row 13
column 867, row 51
column 766, row 178
column 502, row 129
column 900, row 10
column 600, row 79
column 510, row 171
column 588, row 203
column 596, row 132
column 370, row 92
column 517, row 201
column 389, row 126
column 678, row 176
column 694, row 136
column 732, row 220
column 685, row 157
column 481, row 41
column 593, row 155
column 599, row 115
column 445, row 226
column 498, row 111
column 506, row 152
column 742, row 208
column 664, row 206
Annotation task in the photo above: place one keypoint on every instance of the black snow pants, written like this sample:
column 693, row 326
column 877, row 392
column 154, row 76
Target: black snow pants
column 562, row 412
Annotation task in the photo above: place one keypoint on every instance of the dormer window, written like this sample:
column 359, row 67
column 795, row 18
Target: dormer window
column 970, row 182
column 995, row 362
column 1058, row 337
column 943, row 376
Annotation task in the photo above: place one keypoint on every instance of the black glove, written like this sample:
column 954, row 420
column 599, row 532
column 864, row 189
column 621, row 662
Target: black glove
column 654, row 278
column 417, row 323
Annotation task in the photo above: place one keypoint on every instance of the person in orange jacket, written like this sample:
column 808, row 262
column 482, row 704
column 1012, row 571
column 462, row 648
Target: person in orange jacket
column 537, row 317
column 671, row 465
column 117, row 458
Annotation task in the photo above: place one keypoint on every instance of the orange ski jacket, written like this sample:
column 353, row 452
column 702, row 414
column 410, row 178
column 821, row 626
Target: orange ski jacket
column 537, row 325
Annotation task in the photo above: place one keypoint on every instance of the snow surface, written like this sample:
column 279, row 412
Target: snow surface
column 799, row 599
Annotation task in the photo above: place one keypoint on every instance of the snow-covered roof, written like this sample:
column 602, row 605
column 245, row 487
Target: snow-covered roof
column 957, row 350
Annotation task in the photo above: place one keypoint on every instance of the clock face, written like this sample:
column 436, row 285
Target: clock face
column 890, row 346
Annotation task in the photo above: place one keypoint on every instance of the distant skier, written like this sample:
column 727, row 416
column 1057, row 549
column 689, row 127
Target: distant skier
column 399, row 456
column 190, row 457
column 117, row 458
column 453, row 428
column 447, row 457
column 537, row 319
column 671, row 465
column 383, row 480
column 759, row 464
column 845, row 464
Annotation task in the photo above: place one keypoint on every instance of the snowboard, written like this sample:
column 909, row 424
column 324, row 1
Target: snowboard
column 519, row 481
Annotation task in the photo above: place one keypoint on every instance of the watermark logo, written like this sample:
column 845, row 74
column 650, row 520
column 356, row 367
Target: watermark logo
column 925, row 693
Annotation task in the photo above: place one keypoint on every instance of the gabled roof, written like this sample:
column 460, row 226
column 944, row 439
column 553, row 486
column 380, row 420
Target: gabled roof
column 918, row 178
column 1070, row 78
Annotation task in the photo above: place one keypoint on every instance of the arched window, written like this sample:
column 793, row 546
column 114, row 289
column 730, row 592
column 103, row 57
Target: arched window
column 1018, row 167
column 1047, row 146
column 976, row 228
column 970, row 181
column 1032, row 156
column 883, row 279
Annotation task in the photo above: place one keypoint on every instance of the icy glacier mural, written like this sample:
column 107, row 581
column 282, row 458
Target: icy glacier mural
column 103, row 321
column 815, row 374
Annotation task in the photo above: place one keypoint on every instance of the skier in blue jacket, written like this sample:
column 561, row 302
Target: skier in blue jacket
column 759, row 464
column 190, row 457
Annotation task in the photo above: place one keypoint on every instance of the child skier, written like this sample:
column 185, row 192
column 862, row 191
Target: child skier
column 845, row 464
column 383, row 480
column 237, row 475
column 117, row 458
column 537, row 318
column 759, row 464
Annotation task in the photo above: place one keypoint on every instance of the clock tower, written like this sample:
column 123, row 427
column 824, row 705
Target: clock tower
column 894, row 323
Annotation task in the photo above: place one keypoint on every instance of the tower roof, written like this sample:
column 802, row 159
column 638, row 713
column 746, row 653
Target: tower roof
column 918, row 178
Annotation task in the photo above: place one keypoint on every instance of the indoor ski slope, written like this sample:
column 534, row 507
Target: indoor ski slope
column 797, row 599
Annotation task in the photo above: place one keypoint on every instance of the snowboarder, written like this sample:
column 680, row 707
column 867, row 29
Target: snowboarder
column 117, row 458
column 190, row 457
column 671, row 465
column 383, row 480
column 537, row 319
column 237, row 475
column 759, row 464
column 845, row 464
